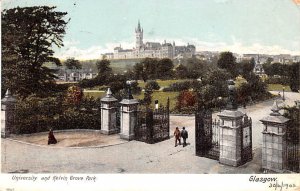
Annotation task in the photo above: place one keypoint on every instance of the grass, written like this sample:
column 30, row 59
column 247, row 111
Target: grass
column 94, row 94
column 278, row 87
column 161, row 83
column 162, row 97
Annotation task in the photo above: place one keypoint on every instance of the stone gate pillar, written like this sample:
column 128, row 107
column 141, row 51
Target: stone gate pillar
column 230, row 137
column 231, row 120
column 128, row 115
column 8, row 104
column 274, row 140
column 109, row 114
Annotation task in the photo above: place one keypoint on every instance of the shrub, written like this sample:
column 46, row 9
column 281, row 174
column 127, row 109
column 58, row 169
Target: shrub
column 179, row 86
column 186, row 99
column 35, row 114
column 152, row 85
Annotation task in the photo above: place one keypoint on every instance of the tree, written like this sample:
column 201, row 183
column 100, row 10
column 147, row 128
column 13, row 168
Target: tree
column 164, row 68
column 246, row 67
column 103, row 67
column 150, row 67
column 146, row 69
column 152, row 85
column 228, row 62
column 181, row 71
column 196, row 68
column 139, row 72
column 28, row 37
column 294, row 77
column 71, row 63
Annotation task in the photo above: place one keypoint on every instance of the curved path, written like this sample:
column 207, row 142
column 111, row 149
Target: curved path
column 133, row 156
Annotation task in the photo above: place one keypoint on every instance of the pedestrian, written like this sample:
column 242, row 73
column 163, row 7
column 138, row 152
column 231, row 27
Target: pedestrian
column 51, row 138
column 184, row 135
column 177, row 136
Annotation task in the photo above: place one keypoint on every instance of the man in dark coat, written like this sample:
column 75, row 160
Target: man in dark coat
column 177, row 136
column 51, row 138
column 184, row 135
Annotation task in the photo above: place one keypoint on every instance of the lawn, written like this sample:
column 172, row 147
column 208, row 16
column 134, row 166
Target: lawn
column 278, row 87
column 161, row 83
column 162, row 97
column 94, row 94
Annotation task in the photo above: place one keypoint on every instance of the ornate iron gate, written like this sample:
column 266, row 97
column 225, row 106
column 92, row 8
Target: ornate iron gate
column 207, row 135
column 246, row 139
column 153, row 125
column 292, row 149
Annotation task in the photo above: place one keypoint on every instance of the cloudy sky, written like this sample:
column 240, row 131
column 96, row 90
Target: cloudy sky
column 241, row 26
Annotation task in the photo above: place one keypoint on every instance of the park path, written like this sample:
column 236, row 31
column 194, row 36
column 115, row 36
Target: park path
column 133, row 156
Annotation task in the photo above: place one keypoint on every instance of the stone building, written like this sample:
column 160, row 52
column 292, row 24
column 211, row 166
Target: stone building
column 75, row 75
column 151, row 49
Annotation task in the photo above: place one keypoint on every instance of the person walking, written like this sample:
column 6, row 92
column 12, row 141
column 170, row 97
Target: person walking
column 184, row 135
column 177, row 136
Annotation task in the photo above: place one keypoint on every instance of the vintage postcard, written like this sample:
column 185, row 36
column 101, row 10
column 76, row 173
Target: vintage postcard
column 150, row 95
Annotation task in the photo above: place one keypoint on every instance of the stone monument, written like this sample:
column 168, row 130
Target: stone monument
column 109, row 114
column 128, row 115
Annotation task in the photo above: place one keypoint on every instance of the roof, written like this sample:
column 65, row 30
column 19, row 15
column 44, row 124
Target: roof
column 231, row 114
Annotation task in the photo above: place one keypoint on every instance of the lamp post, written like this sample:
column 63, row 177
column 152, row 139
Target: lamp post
column 283, row 98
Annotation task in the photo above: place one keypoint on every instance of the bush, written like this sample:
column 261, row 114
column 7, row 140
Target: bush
column 35, row 114
column 179, row 86
column 186, row 99
column 152, row 85
column 281, row 80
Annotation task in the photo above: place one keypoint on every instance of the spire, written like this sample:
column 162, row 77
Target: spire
column 139, row 27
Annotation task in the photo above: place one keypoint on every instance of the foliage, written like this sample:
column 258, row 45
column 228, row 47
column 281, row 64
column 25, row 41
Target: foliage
column 74, row 95
column 295, row 77
column 181, row 72
column 293, row 113
column 147, row 100
column 152, row 85
column 254, row 89
column 164, row 68
column 152, row 68
column 228, row 62
column 283, row 80
column 28, row 37
column 284, row 74
column 245, row 67
column 72, row 63
column 179, row 86
column 196, row 68
column 103, row 67
column 34, row 114
column 186, row 99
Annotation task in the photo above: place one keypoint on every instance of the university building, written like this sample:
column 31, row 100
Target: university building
column 151, row 49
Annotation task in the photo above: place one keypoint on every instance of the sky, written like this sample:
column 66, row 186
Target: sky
column 240, row 26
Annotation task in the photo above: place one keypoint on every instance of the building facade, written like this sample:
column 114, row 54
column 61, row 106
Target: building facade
column 74, row 75
column 151, row 49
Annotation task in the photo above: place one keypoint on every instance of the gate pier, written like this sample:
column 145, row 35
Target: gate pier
column 230, row 136
column 128, row 118
column 228, row 139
